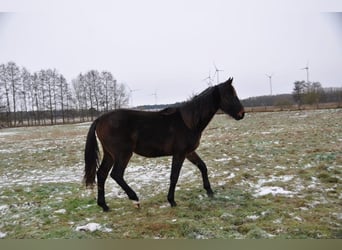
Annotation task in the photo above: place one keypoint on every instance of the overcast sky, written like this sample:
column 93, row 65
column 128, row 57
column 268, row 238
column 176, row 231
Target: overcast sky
column 169, row 47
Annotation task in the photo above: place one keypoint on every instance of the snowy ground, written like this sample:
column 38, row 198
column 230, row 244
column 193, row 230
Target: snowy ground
column 290, row 157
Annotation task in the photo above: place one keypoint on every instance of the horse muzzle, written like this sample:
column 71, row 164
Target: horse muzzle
column 240, row 115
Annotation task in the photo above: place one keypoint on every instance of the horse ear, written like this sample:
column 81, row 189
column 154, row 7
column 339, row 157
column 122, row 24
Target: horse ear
column 229, row 81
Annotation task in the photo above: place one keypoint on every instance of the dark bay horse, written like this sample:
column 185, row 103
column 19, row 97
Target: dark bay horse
column 174, row 131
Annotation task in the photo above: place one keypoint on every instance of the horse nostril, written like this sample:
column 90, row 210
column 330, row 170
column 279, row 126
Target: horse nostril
column 241, row 114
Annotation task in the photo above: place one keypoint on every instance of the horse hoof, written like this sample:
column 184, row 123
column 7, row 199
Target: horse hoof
column 104, row 206
column 136, row 204
column 173, row 204
column 211, row 195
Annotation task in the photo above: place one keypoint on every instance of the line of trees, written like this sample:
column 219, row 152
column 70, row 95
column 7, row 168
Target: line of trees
column 307, row 92
column 312, row 93
column 303, row 94
column 46, row 97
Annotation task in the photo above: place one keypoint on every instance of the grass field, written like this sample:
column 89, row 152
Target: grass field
column 275, row 175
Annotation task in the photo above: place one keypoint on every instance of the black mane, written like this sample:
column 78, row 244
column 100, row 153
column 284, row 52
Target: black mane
column 196, row 110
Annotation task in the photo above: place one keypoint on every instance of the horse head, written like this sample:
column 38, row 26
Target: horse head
column 229, row 101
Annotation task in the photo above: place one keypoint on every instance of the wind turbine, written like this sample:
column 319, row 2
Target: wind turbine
column 208, row 79
column 131, row 94
column 307, row 72
column 270, row 78
column 217, row 71
column 155, row 96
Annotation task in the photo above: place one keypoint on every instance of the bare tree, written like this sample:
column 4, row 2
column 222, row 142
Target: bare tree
column 13, row 78
column 35, row 92
column 64, row 94
column 5, row 93
column 313, row 93
column 50, row 85
column 108, row 84
column 123, row 96
column 26, row 91
column 81, row 93
column 95, row 89
column 298, row 92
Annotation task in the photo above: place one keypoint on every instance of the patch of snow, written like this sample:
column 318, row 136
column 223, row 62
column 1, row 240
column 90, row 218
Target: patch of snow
column 60, row 211
column 265, row 133
column 83, row 125
column 2, row 235
column 262, row 191
column 106, row 230
column 308, row 166
column 283, row 178
column 200, row 236
column 7, row 133
column 226, row 216
column 231, row 176
column 299, row 115
column 26, row 178
column 92, row 227
column 223, row 159
column 165, row 206
column 278, row 221
column 252, row 217
column 5, row 151
column 221, row 183
column 314, row 182
column 3, row 207
column 338, row 216
column 280, row 167
column 297, row 218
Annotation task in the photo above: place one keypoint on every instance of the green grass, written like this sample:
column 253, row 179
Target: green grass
column 42, row 197
column 233, row 213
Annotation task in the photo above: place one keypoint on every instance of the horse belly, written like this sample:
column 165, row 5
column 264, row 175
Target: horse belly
column 154, row 146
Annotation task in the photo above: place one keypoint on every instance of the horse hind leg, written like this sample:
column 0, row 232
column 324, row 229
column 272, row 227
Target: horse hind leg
column 118, row 173
column 102, row 174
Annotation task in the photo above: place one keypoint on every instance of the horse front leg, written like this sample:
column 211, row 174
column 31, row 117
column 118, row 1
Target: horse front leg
column 177, row 162
column 196, row 160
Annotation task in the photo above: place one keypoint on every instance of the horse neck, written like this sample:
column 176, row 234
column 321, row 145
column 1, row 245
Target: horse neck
column 209, row 112
column 203, row 108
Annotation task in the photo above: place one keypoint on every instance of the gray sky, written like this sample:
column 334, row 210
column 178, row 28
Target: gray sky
column 169, row 47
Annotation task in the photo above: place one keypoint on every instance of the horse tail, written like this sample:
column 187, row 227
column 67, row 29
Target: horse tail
column 91, row 156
